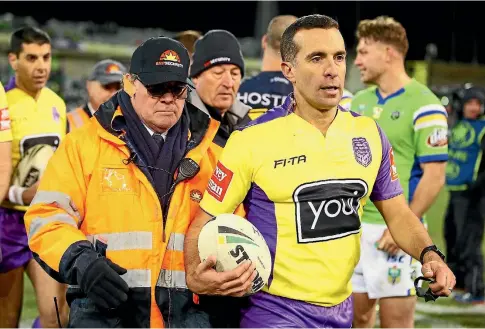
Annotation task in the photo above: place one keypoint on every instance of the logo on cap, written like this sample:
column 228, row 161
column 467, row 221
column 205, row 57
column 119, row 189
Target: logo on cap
column 169, row 57
column 217, row 60
column 113, row 68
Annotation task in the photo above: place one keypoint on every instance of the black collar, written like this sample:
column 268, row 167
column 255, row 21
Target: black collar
column 87, row 110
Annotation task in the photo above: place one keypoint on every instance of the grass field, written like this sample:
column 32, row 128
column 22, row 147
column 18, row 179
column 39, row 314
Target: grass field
column 444, row 313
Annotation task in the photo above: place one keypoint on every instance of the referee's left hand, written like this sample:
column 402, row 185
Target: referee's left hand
column 444, row 279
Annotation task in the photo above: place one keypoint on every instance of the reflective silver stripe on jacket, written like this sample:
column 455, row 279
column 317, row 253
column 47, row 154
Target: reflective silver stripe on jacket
column 78, row 121
column 133, row 278
column 59, row 199
column 176, row 242
column 124, row 240
column 172, row 279
column 39, row 222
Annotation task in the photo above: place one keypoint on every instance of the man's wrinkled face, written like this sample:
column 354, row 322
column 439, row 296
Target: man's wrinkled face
column 98, row 93
column 160, row 106
column 218, row 86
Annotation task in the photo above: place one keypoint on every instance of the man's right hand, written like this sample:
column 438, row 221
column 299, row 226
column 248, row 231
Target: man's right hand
column 102, row 283
column 205, row 280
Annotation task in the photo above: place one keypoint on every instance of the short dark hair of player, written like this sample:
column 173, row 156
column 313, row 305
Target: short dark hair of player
column 275, row 30
column 28, row 35
column 288, row 47
column 386, row 30
column 188, row 39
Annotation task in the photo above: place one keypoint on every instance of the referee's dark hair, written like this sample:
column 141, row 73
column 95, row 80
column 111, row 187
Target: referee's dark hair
column 28, row 35
column 288, row 47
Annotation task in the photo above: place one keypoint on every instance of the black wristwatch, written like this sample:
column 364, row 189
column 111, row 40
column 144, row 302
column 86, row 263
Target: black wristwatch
column 431, row 248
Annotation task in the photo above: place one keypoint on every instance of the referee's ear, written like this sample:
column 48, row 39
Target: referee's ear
column 288, row 70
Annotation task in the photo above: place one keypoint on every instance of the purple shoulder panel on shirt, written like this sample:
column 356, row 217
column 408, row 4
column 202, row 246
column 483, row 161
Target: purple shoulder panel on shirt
column 274, row 113
column 354, row 114
column 10, row 84
column 385, row 187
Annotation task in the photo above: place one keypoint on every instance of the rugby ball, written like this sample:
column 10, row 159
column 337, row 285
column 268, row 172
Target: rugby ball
column 233, row 239
column 31, row 167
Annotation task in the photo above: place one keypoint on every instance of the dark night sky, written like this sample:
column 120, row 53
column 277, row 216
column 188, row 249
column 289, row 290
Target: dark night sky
column 424, row 21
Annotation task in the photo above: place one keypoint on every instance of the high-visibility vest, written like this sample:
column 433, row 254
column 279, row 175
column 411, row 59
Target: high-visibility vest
column 90, row 192
column 77, row 118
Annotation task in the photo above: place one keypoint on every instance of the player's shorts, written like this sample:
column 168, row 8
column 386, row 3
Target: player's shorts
column 379, row 274
column 14, row 247
column 269, row 311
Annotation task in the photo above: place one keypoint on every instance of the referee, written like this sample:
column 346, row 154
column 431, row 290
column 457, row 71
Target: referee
column 304, row 171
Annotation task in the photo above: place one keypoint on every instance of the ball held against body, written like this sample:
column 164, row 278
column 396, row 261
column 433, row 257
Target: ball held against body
column 233, row 239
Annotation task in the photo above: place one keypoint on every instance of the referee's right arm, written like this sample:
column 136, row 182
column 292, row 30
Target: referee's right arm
column 225, row 191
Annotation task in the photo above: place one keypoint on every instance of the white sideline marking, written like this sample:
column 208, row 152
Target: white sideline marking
column 449, row 309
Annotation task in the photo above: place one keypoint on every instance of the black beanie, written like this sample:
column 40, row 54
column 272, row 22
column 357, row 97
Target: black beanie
column 214, row 48
column 473, row 92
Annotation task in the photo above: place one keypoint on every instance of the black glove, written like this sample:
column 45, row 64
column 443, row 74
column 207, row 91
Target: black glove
column 102, row 283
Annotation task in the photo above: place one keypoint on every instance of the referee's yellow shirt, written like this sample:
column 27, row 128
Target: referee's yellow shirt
column 305, row 192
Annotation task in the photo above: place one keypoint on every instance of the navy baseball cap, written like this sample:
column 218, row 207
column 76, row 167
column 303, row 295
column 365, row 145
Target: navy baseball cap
column 159, row 60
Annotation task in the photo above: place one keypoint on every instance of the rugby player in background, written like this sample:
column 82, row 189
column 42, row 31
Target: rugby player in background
column 188, row 38
column 303, row 171
column 416, row 124
column 269, row 87
column 38, row 116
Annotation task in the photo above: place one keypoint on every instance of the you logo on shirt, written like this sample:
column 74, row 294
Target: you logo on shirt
column 328, row 209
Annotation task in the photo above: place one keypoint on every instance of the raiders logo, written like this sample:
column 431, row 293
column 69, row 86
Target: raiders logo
column 437, row 138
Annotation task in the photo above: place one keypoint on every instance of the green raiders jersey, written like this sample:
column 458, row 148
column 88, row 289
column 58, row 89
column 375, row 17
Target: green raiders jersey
column 415, row 123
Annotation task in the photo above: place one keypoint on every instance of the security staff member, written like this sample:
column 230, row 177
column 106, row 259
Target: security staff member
column 465, row 179
column 116, row 199
column 217, row 70
column 103, row 82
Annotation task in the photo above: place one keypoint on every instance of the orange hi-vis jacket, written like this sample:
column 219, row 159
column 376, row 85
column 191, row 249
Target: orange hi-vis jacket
column 90, row 192
column 78, row 117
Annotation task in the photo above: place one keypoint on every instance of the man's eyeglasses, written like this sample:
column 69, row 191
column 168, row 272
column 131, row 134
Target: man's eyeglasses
column 177, row 89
